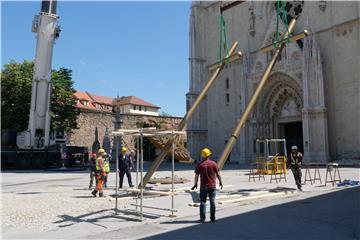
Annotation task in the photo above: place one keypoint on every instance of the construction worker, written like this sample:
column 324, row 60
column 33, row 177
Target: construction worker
column 107, row 168
column 295, row 160
column 99, row 173
column 92, row 169
column 125, row 167
column 208, row 171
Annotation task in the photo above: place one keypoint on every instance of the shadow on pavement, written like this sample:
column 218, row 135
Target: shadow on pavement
column 334, row 215
column 97, row 217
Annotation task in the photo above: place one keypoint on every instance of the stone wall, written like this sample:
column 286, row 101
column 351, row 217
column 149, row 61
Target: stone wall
column 89, row 120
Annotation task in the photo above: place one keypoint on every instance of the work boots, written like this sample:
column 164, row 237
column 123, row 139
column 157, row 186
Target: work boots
column 101, row 194
column 94, row 193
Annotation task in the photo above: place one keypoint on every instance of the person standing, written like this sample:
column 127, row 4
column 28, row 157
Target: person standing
column 92, row 169
column 124, row 167
column 107, row 168
column 208, row 171
column 295, row 161
column 99, row 173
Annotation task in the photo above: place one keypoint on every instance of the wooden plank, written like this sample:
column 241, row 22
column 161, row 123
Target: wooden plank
column 230, row 59
column 150, row 192
column 228, row 5
column 291, row 39
column 256, row 197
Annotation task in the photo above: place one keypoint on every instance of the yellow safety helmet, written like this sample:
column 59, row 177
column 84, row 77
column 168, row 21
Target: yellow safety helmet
column 101, row 150
column 123, row 149
column 205, row 153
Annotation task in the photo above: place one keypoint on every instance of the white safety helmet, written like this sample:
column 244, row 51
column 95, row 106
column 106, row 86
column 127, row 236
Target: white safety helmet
column 294, row 147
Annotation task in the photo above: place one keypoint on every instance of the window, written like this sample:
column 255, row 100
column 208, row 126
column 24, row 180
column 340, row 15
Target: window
column 227, row 82
column 145, row 109
column 140, row 108
column 134, row 107
column 227, row 98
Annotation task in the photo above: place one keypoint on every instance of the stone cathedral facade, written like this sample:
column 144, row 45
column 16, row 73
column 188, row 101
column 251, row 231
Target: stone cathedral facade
column 312, row 97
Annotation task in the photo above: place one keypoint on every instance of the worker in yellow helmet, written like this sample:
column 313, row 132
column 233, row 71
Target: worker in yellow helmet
column 208, row 171
column 99, row 173
column 125, row 165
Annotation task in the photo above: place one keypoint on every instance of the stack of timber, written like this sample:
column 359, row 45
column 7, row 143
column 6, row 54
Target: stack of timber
column 181, row 153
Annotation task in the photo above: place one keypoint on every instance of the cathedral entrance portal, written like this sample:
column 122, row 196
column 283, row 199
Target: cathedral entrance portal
column 293, row 133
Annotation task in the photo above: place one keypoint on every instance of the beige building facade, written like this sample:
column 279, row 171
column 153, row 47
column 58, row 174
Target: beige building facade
column 312, row 98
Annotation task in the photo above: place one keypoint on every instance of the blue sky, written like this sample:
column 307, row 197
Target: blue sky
column 113, row 48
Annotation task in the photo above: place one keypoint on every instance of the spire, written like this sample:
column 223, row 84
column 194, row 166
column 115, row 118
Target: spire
column 96, row 143
column 106, row 141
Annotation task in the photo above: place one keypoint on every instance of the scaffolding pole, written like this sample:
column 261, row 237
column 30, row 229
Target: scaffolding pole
column 141, row 133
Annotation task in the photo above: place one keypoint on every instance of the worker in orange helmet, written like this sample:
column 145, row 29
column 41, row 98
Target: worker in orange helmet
column 99, row 173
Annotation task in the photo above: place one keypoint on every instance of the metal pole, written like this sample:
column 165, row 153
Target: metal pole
column 232, row 140
column 172, row 175
column 137, row 167
column 141, row 175
column 187, row 117
column 117, row 174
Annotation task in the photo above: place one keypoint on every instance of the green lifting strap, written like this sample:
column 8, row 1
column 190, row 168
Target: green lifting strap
column 278, row 2
column 222, row 32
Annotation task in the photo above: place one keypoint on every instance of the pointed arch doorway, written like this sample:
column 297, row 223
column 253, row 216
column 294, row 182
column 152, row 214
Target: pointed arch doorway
column 279, row 113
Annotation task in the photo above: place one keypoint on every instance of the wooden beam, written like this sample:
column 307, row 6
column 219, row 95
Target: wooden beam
column 150, row 191
column 226, row 60
column 229, row 5
column 185, row 120
column 253, row 99
column 241, row 199
column 294, row 38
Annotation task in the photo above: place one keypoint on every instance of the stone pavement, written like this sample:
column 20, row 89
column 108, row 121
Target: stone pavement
column 56, row 204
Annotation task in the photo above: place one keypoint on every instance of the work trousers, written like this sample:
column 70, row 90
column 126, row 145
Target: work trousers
column 105, row 179
column 128, row 175
column 99, row 181
column 92, row 177
column 204, row 193
column 297, row 175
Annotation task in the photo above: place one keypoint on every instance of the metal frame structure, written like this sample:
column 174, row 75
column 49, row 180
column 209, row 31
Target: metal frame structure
column 141, row 133
column 267, row 146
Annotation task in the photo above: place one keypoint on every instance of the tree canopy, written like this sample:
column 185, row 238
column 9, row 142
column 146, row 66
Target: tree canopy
column 16, row 83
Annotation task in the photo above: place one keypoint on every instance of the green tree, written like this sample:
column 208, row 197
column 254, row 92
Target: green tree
column 16, row 82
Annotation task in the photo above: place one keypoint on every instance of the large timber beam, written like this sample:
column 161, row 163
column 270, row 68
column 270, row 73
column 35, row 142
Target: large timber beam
column 187, row 117
column 234, row 136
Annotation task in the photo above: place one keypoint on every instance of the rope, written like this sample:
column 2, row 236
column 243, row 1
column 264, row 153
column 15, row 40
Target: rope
column 278, row 2
column 222, row 32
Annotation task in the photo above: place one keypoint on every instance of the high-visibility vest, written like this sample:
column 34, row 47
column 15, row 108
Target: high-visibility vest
column 98, row 168
column 106, row 166
column 295, row 160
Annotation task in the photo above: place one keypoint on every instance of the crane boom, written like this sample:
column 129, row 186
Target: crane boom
column 47, row 30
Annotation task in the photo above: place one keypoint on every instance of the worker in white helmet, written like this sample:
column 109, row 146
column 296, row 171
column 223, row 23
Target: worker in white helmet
column 295, row 161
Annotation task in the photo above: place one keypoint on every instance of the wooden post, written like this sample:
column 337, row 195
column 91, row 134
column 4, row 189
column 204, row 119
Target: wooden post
column 231, row 142
column 186, row 118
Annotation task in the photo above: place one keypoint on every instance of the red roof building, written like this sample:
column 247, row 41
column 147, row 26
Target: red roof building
column 126, row 104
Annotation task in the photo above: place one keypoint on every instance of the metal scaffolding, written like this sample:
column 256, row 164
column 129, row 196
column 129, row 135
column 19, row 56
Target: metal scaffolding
column 140, row 134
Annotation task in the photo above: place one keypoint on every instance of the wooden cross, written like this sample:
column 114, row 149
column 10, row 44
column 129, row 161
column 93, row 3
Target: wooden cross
column 236, row 56
column 279, row 47
column 189, row 113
